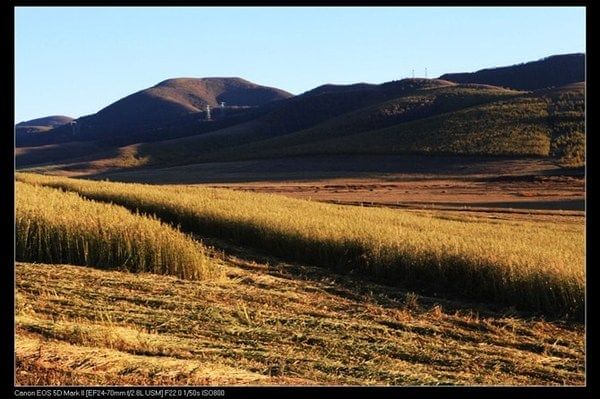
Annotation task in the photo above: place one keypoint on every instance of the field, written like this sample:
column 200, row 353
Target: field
column 387, row 180
column 313, row 293
column 272, row 323
column 58, row 227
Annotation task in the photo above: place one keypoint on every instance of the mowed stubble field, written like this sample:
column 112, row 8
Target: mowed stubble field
column 281, row 317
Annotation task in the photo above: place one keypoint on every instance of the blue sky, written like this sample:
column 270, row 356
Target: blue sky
column 75, row 61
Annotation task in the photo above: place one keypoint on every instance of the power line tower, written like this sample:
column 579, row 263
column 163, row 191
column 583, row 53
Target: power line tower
column 222, row 108
column 207, row 112
column 413, row 73
column 74, row 128
column 425, row 73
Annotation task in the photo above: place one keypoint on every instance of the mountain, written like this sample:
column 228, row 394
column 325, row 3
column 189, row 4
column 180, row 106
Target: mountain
column 408, row 116
column 459, row 119
column 434, row 118
column 46, row 122
column 271, row 120
column 554, row 71
column 177, row 97
column 27, row 132
column 548, row 124
column 149, row 114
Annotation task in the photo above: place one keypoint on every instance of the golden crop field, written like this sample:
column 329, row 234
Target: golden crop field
column 526, row 264
column 53, row 226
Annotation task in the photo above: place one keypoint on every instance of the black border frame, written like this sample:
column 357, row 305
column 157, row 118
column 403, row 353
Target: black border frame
column 8, row 389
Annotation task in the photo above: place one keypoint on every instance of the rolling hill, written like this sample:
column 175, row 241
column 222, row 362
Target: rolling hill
column 177, row 97
column 270, row 120
column 435, row 119
column 550, row 123
column 158, row 112
column 554, row 71
column 27, row 132
column 408, row 116
column 46, row 122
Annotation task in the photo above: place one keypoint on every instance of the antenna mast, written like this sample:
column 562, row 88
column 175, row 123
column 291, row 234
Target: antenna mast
column 74, row 128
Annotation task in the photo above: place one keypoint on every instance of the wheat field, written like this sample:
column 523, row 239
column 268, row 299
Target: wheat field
column 529, row 265
column 54, row 226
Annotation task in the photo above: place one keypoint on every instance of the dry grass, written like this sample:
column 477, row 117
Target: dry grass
column 535, row 266
column 278, row 324
column 53, row 226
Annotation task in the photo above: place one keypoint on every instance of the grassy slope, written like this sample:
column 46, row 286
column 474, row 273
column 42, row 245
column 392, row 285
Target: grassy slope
column 557, row 70
column 415, row 105
column 330, row 114
column 57, row 153
column 271, row 324
column 512, row 127
column 530, row 265
column 542, row 124
column 465, row 119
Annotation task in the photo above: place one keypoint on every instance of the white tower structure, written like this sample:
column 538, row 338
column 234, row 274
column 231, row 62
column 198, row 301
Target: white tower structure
column 207, row 112
column 74, row 128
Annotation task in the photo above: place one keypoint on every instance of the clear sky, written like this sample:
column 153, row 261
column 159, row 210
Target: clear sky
column 75, row 61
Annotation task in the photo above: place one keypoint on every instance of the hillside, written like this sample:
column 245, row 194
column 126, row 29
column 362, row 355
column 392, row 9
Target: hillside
column 434, row 119
column 265, row 122
column 549, row 123
column 554, row 71
column 27, row 132
column 47, row 121
column 416, row 104
column 159, row 111
column 166, row 125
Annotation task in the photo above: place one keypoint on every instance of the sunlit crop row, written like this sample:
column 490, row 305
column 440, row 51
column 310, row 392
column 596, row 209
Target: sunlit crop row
column 53, row 226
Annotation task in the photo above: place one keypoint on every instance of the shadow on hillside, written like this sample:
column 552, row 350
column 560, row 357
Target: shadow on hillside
column 339, row 166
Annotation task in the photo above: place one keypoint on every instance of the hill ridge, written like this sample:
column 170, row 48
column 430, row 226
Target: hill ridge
column 552, row 71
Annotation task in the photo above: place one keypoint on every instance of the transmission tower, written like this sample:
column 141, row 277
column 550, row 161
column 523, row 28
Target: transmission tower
column 207, row 112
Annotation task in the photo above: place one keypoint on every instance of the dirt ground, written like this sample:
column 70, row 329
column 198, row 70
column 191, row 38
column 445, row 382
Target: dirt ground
column 413, row 181
column 529, row 192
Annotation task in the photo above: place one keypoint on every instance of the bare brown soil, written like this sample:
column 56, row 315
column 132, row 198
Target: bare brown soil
column 553, row 193
column 388, row 180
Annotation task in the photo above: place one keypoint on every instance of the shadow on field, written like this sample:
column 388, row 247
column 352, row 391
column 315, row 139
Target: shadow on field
column 359, row 287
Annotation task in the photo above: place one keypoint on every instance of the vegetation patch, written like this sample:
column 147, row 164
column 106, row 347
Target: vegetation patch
column 53, row 226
